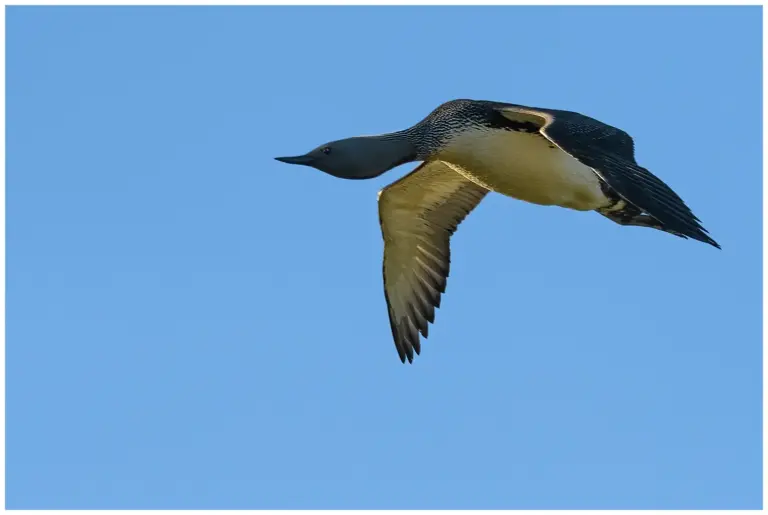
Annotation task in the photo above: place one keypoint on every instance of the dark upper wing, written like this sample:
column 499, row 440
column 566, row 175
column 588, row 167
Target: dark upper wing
column 610, row 152
column 418, row 215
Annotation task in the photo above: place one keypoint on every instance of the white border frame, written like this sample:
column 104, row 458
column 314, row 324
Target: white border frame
column 360, row 2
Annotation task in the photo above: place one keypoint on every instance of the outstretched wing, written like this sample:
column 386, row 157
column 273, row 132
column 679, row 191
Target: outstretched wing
column 418, row 214
column 610, row 152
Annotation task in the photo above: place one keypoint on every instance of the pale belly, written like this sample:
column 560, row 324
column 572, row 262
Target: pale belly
column 525, row 167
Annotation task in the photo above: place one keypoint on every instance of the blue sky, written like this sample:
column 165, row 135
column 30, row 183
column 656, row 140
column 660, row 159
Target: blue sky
column 191, row 324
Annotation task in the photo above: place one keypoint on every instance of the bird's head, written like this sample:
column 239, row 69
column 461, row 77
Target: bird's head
column 361, row 157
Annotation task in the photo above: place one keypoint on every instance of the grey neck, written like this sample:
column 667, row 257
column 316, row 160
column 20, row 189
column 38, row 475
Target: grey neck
column 386, row 151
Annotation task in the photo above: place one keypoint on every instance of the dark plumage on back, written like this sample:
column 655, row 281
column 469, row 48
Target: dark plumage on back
column 611, row 153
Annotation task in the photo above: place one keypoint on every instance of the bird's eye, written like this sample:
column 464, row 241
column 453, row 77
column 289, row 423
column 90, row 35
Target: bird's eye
column 327, row 150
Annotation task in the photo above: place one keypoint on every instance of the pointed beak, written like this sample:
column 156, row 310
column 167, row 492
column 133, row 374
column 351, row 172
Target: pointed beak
column 296, row 160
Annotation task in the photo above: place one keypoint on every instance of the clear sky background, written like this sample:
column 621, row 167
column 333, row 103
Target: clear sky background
column 192, row 324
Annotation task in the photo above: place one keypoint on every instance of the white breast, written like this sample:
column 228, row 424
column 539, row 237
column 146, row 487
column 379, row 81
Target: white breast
column 524, row 166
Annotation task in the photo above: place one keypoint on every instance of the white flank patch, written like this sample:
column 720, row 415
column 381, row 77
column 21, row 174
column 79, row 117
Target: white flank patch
column 524, row 166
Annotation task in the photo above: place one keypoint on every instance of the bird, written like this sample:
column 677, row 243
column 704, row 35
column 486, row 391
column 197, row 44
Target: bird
column 469, row 148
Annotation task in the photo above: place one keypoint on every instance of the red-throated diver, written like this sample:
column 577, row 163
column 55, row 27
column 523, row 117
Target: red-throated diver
column 470, row 147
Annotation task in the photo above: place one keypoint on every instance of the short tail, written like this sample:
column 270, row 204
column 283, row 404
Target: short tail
column 640, row 219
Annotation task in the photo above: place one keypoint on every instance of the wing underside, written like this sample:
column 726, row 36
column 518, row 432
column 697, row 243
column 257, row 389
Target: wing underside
column 418, row 214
